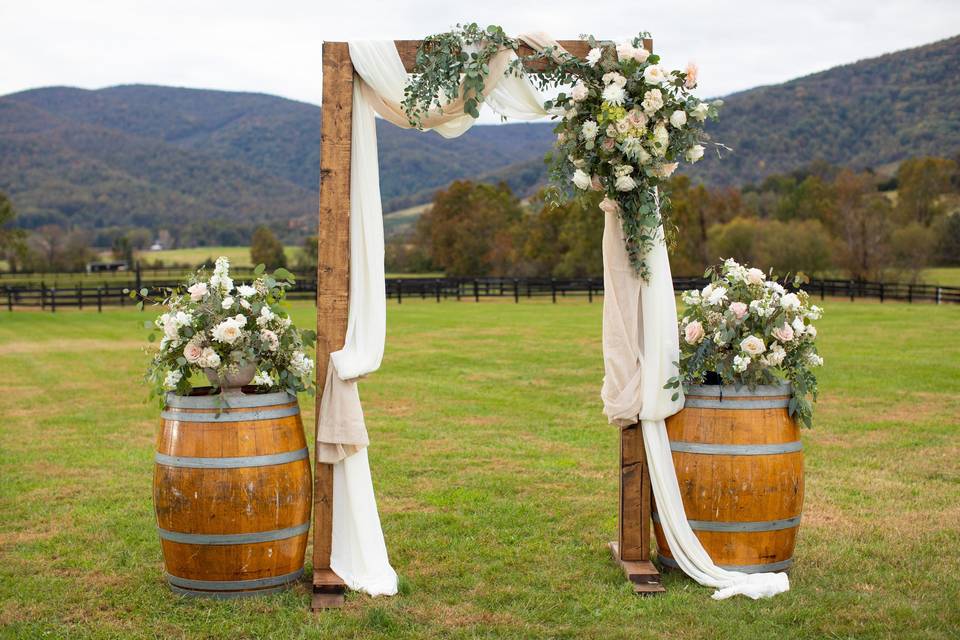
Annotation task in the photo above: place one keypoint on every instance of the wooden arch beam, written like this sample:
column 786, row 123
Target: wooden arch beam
column 333, row 293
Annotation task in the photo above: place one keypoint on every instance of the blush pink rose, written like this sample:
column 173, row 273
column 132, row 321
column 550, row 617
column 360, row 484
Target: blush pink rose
column 739, row 309
column 608, row 144
column 192, row 352
column 197, row 291
column 784, row 333
column 693, row 333
column 692, row 71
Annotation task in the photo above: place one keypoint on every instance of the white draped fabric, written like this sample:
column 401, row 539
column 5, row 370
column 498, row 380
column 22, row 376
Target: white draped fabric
column 640, row 340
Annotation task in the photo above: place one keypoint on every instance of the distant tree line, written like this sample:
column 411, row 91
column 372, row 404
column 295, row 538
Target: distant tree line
column 821, row 219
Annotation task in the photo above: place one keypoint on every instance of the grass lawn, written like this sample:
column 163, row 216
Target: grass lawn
column 497, row 485
column 944, row 276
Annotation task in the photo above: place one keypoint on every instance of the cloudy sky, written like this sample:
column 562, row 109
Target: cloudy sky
column 274, row 46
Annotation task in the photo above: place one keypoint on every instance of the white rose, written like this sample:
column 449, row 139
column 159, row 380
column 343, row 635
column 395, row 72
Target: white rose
column 227, row 302
column 678, row 118
column 755, row 276
column 579, row 91
column 654, row 74
column 581, row 179
column 640, row 54
column 752, row 345
column 625, row 183
column 246, row 291
column 700, row 111
column 625, row 51
column 811, row 331
column 227, row 332
column 593, row 57
column 814, row 360
column 694, row 153
column 790, row 302
column 197, row 291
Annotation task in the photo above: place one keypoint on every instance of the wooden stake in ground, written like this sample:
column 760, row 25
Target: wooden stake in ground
column 333, row 291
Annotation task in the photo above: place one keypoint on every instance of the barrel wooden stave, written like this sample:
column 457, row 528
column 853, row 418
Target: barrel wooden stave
column 762, row 493
column 265, row 491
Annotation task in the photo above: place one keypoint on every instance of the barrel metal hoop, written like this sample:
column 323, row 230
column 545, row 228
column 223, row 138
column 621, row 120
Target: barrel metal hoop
column 742, row 568
column 233, row 538
column 707, row 448
column 730, row 526
column 227, row 595
column 731, row 391
column 231, row 463
column 232, row 585
column 223, row 416
column 725, row 403
column 229, row 400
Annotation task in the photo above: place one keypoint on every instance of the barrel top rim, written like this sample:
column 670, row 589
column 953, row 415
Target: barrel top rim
column 731, row 391
column 229, row 401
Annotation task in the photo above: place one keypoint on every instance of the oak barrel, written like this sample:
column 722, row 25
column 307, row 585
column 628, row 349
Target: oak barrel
column 739, row 463
column 232, row 491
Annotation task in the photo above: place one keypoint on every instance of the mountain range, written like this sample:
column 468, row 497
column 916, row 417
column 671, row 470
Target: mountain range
column 168, row 157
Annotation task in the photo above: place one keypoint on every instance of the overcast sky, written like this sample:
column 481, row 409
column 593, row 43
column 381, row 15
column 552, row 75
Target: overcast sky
column 273, row 46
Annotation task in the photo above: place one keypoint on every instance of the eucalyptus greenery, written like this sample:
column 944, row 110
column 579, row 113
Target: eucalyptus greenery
column 624, row 122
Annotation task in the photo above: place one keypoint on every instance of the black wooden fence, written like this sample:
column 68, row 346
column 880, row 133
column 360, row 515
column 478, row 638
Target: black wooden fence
column 80, row 296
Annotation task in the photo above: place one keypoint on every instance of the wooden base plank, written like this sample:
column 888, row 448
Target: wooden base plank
column 642, row 574
column 328, row 590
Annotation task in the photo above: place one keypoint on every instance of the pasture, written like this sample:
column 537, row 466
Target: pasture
column 497, row 486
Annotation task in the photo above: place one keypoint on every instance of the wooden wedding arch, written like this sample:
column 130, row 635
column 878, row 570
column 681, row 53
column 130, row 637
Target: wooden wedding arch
column 632, row 547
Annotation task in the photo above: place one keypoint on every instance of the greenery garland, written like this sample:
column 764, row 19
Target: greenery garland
column 624, row 125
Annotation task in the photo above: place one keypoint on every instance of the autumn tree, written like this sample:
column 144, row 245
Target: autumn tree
column 863, row 222
column 12, row 247
column 471, row 229
column 266, row 249
column 921, row 182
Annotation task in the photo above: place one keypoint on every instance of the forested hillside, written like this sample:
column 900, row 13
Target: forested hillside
column 187, row 160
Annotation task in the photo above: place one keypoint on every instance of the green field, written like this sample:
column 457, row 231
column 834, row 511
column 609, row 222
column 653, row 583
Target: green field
column 497, row 485
column 239, row 256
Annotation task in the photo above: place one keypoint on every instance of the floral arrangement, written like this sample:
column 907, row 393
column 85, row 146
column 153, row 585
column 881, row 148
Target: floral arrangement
column 744, row 328
column 626, row 121
column 213, row 326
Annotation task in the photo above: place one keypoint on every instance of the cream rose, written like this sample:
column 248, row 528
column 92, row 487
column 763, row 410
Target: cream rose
column 197, row 291
column 752, row 345
column 579, row 92
column 700, row 111
column 227, row 331
column 755, row 276
column 694, row 153
column 581, row 179
column 678, row 118
column 654, row 74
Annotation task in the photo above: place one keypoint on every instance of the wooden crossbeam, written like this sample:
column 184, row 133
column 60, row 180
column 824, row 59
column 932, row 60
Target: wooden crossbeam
column 333, row 291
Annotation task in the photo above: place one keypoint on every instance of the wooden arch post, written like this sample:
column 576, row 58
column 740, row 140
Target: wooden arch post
column 632, row 548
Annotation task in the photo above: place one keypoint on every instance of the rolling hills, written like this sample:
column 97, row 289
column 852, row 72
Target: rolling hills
column 167, row 157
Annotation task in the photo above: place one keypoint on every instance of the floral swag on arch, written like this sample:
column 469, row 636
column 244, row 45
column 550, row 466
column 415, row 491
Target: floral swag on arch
column 625, row 121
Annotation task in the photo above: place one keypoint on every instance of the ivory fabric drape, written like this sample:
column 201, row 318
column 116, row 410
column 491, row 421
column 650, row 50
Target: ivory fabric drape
column 640, row 340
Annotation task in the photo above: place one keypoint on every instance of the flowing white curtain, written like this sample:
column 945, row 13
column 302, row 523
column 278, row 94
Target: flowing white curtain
column 640, row 338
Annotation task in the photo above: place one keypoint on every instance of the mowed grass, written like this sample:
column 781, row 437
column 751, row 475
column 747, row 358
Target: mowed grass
column 239, row 256
column 497, row 486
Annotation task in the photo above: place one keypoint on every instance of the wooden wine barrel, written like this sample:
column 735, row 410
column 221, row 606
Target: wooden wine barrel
column 232, row 492
column 739, row 463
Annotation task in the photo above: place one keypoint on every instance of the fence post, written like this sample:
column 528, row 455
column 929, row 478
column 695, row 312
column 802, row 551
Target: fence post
column 823, row 290
column 881, row 292
column 99, row 299
column 79, row 297
column 43, row 295
column 516, row 291
column 589, row 290
column 553, row 289
column 399, row 291
column 476, row 291
column 53, row 300
column 9, row 299
column 138, row 276
column 850, row 289
column 438, row 289
column 910, row 293
column 939, row 291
